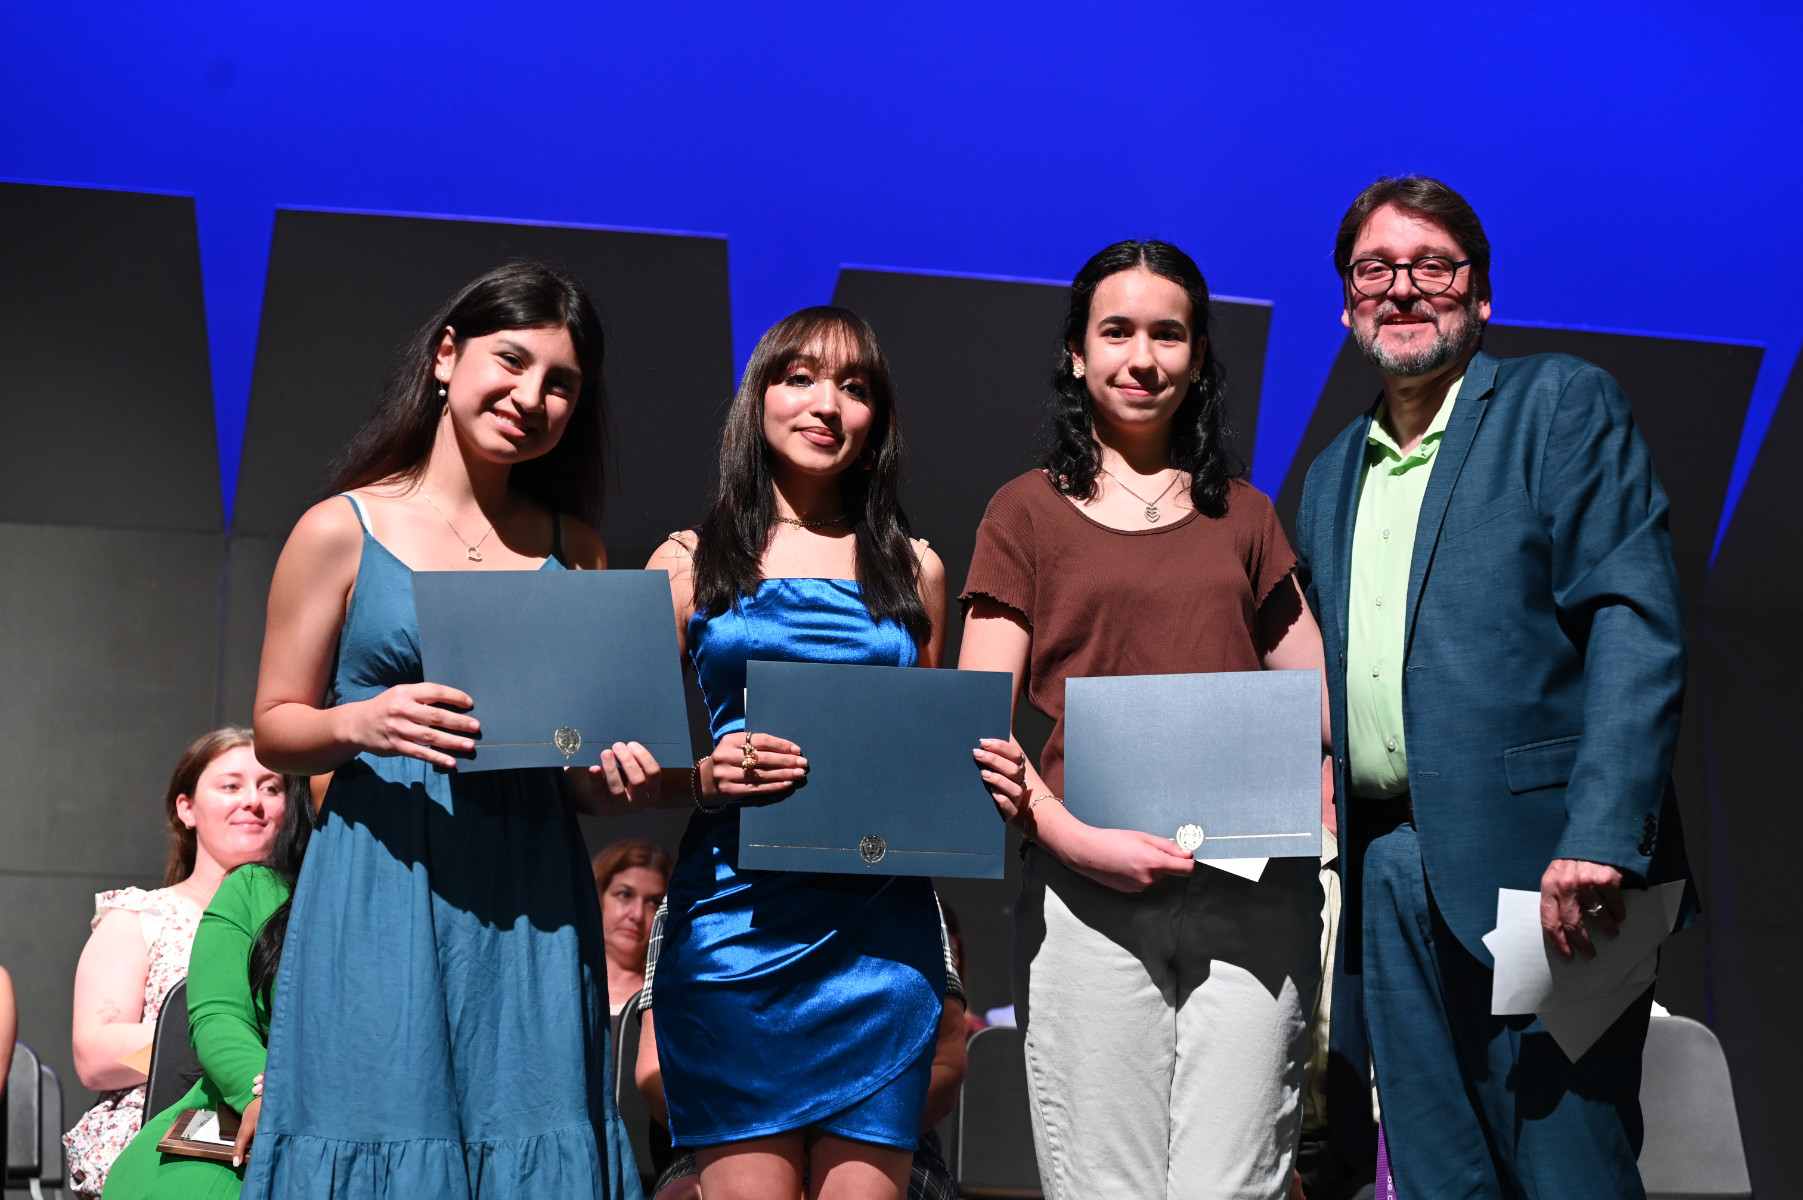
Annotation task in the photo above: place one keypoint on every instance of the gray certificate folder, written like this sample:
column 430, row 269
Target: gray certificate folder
column 1226, row 763
column 891, row 788
column 560, row 664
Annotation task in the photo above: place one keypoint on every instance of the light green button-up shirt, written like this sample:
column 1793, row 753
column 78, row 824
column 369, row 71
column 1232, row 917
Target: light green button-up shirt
column 1383, row 542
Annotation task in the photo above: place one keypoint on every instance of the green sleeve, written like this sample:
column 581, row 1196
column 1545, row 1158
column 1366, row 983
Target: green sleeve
column 224, row 1019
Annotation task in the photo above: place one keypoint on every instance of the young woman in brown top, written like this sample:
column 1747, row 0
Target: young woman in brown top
column 1165, row 1003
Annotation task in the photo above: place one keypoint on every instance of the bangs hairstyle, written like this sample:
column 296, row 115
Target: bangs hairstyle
column 732, row 537
column 397, row 439
column 1201, row 442
column 1422, row 196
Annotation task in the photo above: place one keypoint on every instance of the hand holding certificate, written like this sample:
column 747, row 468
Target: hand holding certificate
column 890, row 787
column 1226, row 764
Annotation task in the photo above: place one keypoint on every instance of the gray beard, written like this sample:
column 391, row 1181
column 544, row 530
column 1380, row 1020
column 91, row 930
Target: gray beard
column 1443, row 351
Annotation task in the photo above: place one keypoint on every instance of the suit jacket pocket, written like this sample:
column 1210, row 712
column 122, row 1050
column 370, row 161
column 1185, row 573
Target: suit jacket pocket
column 1540, row 764
column 1460, row 523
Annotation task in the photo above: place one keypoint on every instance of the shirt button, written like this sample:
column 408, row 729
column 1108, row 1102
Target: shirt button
column 1391, row 743
column 1374, row 672
column 1386, row 535
column 1380, row 602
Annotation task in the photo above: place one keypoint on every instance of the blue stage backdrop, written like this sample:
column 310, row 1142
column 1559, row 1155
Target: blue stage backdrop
column 1637, row 166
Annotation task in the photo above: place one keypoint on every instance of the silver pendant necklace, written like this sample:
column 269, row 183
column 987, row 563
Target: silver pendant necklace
column 471, row 552
column 1151, row 505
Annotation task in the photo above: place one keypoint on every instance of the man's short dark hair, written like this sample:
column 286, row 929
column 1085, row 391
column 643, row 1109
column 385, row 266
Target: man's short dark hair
column 1427, row 197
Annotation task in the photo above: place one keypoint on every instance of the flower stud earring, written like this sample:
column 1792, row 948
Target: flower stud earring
column 1195, row 374
column 1077, row 368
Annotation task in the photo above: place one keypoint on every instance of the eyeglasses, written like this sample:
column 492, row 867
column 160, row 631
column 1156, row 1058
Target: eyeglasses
column 1431, row 275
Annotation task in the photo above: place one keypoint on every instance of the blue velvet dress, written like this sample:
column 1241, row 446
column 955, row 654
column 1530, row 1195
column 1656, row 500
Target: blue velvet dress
column 440, row 1022
column 788, row 1000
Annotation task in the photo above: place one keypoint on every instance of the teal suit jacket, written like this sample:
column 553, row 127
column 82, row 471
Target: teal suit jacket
column 1544, row 649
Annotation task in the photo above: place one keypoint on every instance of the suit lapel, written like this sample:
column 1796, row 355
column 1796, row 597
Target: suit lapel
column 1449, row 461
column 1352, row 473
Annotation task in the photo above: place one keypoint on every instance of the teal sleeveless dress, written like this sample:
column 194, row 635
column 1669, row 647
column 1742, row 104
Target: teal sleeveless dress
column 789, row 1000
column 440, row 1020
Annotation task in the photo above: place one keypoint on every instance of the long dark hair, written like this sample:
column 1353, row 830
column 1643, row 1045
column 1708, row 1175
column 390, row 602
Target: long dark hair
column 395, row 442
column 183, row 842
column 733, row 536
column 285, row 856
column 1201, row 443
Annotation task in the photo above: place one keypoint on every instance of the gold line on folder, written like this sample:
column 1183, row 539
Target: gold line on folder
column 854, row 849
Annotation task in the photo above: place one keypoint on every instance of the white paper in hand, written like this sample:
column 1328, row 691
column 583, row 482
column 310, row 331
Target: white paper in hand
column 1578, row 1000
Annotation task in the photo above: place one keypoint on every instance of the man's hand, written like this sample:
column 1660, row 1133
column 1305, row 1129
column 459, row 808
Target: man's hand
column 1573, row 891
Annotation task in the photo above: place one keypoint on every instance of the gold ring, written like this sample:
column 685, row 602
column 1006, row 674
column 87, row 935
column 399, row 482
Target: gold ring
column 749, row 760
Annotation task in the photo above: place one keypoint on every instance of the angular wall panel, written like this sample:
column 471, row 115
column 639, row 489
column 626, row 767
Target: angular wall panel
column 103, row 361
column 346, row 290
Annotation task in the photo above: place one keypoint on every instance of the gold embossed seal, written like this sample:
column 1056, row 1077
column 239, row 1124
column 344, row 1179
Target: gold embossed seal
column 871, row 848
column 1189, row 837
column 567, row 740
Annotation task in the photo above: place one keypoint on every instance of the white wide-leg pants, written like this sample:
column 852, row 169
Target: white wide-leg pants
column 1166, row 1031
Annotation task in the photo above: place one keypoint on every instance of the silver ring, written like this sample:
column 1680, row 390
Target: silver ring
column 1595, row 910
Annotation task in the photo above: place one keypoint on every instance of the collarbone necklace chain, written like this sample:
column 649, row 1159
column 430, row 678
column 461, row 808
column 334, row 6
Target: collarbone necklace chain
column 801, row 524
column 1151, row 505
column 471, row 551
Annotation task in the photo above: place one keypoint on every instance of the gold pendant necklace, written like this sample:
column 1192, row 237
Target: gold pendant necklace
column 471, row 552
column 1151, row 505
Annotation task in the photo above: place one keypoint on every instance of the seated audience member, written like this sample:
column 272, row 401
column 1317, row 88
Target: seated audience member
column 954, row 936
column 9, row 1027
column 632, row 876
column 224, row 808
column 929, row 1178
column 231, row 982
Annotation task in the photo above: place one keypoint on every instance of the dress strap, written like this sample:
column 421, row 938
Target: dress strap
column 362, row 514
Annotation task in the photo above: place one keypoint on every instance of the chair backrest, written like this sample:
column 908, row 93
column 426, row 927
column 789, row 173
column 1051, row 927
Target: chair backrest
column 173, row 1062
column 24, row 1094
column 1693, row 1147
column 50, row 1105
column 995, row 1124
column 635, row 1114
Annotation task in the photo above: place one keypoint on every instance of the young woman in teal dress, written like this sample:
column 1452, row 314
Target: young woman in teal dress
column 797, row 1012
column 440, row 1028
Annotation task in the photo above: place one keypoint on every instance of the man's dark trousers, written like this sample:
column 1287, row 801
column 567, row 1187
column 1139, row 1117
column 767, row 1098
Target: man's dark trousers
column 1476, row 1105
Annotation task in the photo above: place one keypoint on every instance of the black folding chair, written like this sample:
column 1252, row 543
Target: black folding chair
column 1693, row 1149
column 994, row 1153
column 25, row 1119
column 173, row 1063
column 635, row 1114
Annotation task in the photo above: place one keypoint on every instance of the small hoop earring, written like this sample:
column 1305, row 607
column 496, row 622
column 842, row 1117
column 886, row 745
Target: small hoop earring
column 1077, row 368
column 1195, row 374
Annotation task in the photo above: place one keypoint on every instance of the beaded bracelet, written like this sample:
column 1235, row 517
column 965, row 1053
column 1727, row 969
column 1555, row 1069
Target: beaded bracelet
column 695, row 791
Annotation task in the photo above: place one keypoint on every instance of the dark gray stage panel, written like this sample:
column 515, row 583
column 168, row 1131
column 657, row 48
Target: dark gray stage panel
column 1751, row 658
column 1689, row 399
column 103, row 335
column 1758, row 566
column 110, row 641
column 346, row 290
column 250, row 564
column 46, row 925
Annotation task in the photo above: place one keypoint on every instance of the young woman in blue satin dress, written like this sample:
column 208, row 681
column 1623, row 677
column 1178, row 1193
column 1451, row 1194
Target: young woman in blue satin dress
column 440, row 1022
column 797, row 1012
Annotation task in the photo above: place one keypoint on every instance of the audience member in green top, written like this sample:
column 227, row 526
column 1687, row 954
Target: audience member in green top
column 231, row 979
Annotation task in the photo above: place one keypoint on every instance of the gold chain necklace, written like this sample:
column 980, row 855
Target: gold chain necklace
column 801, row 524
column 471, row 552
column 1151, row 505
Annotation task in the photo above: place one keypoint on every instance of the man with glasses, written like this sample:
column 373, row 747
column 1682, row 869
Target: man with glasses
column 1486, row 551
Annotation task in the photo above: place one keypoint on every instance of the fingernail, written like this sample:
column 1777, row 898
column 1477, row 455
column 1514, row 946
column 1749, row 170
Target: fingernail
column 236, row 1161
column 804, row 763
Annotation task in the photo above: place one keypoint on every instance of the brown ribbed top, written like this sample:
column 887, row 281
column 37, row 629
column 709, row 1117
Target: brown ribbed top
column 1163, row 600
